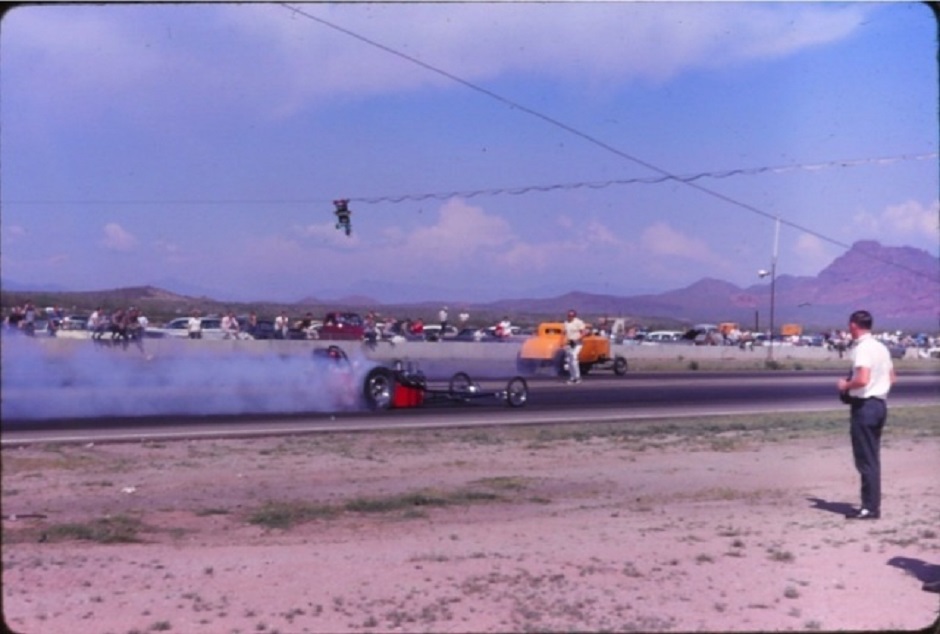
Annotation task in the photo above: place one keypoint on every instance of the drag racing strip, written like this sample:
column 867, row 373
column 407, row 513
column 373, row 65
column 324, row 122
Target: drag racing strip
column 446, row 418
column 598, row 399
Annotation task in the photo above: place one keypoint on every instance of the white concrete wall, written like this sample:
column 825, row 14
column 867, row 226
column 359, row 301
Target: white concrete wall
column 459, row 350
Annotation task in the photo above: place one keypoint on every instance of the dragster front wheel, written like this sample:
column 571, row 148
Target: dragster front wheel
column 460, row 384
column 517, row 392
column 379, row 388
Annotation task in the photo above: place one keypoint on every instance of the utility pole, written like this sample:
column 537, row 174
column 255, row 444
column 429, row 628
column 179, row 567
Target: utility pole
column 773, row 285
column 773, row 288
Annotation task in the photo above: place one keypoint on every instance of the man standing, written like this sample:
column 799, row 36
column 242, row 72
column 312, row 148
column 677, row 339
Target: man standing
column 282, row 326
column 866, row 391
column 29, row 318
column 575, row 329
column 194, row 325
column 96, row 323
column 442, row 318
column 230, row 326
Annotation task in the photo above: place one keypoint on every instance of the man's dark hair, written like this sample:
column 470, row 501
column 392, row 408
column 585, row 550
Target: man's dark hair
column 862, row 319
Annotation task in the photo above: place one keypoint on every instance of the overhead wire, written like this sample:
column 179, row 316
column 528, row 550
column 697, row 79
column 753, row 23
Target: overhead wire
column 510, row 191
column 665, row 174
column 649, row 180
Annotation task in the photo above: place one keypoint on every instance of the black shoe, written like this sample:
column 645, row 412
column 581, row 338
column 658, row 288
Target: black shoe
column 862, row 514
column 932, row 586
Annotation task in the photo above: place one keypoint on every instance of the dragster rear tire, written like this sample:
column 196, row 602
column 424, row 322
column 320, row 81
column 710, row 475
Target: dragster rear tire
column 379, row 388
column 517, row 392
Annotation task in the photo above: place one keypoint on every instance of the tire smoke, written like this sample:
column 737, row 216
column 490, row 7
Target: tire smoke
column 48, row 379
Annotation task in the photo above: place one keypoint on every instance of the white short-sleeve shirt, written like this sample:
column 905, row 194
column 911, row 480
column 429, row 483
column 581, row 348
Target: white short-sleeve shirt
column 872, row 354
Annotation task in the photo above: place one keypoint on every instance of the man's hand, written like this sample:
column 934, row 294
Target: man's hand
column 860, row 377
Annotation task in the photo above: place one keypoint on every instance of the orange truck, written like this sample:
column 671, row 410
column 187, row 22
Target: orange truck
column 546, row 348
column 791, row 330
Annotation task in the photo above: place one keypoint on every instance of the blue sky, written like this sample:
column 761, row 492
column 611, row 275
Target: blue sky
column 201, row 146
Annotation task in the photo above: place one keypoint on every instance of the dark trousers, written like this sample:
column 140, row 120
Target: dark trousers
column 867, row 421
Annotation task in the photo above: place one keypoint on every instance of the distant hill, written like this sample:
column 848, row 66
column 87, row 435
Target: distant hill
column 128, row 296
column 344, row 300
column 899, row 285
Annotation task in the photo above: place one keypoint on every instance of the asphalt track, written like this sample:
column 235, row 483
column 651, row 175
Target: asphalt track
column 635, row 396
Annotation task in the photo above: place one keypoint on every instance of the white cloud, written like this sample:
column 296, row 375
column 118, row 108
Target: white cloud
column 171, row 252
column 459, row 238
column 87, row 52
column 660, row 239
column 812, row 255
column 326, row 234
column 910, row 220
column 116, row 238
column 282, row 61
column 462, row 232
column 603, row 40
column 13, row 233
column 914, row 218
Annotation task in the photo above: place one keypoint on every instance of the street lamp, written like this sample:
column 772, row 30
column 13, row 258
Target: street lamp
column 773, row 283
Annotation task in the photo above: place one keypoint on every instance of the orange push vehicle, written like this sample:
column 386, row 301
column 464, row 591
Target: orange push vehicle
column 547, row 349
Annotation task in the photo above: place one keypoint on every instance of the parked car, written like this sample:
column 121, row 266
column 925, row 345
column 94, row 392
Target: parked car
column 342, row 326
column 179, row 328
column 432, row 332
column 474, row 334
column 74, row 322
column 514, row 331
column 704, row 335
column 662, row 336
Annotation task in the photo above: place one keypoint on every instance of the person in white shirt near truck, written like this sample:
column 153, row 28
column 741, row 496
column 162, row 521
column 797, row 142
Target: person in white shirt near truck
column 575, row 329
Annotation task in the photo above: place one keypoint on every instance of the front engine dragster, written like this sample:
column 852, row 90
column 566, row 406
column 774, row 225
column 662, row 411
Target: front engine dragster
column 400, row 387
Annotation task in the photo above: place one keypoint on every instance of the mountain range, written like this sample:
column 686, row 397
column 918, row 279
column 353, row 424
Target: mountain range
column 899, row 285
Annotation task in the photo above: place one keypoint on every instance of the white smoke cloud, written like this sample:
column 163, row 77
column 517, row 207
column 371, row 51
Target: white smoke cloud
column 48, row 379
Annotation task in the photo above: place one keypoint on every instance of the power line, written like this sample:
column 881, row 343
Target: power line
column 650, row 180
column 510, row 191
column 589, row 138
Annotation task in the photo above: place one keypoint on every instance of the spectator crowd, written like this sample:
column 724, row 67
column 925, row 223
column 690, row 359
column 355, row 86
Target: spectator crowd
column 129, row 324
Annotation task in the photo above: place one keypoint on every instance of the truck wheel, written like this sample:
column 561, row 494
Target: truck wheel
column 517, row 392
column 620, row 366
column 585, row 368
column 379, row 388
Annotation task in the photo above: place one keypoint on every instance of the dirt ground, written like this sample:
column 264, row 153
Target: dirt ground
column 627, row 528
